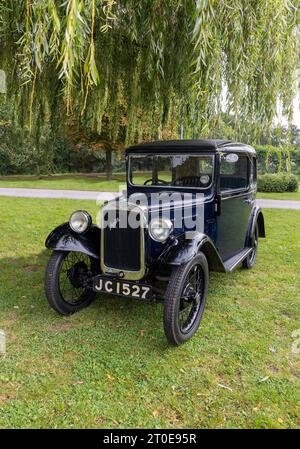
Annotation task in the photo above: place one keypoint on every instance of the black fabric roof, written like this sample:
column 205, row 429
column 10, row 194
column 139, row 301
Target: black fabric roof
column 193, row 145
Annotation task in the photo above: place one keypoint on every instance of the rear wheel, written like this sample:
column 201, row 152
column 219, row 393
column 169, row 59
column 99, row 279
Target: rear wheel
column 185, row 299
column 65, row 281
column 250, row 260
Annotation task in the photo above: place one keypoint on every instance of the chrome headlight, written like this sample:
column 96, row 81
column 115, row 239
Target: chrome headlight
column 160, row 229
column 80, row 221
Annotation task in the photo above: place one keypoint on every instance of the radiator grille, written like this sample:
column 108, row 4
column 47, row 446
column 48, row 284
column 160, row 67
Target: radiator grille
column 121, row 246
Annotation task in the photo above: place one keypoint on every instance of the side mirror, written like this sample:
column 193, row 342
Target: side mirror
column 218, row 208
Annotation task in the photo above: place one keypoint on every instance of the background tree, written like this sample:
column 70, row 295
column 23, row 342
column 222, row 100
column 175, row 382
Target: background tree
column 132, row 70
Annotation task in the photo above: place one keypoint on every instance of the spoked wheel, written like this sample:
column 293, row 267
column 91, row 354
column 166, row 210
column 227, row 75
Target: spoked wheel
column 65, row 281
column 185, row 300
column 250, row 260
column 190, row 301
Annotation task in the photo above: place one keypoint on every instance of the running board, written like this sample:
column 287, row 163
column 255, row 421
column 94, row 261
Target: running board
column 234, row 261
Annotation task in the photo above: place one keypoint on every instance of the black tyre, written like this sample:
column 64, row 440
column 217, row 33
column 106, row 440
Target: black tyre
column 185, row 299
column 64, row 281
column 250, row 260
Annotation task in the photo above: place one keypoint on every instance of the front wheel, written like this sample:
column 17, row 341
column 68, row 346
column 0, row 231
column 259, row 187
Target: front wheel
column 65, row 278
column 185, row 299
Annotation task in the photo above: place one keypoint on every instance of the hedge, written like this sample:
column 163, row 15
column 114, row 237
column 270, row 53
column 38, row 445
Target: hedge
column 277, row 183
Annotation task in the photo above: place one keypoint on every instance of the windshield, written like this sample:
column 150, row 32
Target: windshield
column 184, row 170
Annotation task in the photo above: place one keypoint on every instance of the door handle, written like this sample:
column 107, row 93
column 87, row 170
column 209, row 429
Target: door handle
column 218, row 205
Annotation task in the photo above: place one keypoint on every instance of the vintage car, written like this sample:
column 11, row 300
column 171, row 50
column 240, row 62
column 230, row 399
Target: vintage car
column 189, row 209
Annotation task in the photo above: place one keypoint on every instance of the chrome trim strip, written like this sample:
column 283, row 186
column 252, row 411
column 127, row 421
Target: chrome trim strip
column 239, row 193
column 128, row 274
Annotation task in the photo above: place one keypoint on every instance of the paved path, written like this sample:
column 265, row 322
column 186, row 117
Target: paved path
column 92, row 195
column 279, row 204
column 66, row 194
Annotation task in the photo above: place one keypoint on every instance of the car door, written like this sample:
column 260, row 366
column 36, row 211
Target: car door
column 236, row 197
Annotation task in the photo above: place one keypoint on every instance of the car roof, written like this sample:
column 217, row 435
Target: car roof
column 205, row 145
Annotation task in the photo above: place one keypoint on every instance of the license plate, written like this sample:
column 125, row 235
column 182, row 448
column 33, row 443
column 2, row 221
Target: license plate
column 104, row 284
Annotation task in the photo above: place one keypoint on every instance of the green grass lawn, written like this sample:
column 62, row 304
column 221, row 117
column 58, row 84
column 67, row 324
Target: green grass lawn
column 110, row 365
column 65, row 182
column 75, row 182
column 292, row 196
column 100, row 184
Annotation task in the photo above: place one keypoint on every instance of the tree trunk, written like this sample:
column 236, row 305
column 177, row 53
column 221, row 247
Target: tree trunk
column 109, row 163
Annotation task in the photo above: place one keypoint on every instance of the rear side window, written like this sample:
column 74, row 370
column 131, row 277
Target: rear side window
column 234, row 172
column 254, row 168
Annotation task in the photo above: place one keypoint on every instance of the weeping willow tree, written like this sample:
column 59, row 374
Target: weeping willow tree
column 129, row 70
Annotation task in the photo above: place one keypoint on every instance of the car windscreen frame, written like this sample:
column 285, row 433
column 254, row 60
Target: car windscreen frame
column 168, row 187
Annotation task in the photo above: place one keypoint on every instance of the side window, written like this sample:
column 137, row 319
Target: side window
column 234, row 172
column 253, row 172
column 254, row 167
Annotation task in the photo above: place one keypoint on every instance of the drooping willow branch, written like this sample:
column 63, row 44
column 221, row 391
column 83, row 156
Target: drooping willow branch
column 140, row 68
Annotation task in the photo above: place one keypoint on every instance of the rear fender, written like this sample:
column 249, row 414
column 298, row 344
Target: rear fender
column 256, row 218
column 63, row 238
column 186, row 247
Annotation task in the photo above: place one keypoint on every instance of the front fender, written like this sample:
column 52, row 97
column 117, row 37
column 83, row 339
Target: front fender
column 185, row 248
column 64, row 239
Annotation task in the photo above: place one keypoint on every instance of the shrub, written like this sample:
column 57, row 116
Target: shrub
column 292, row 183
column 277, row 183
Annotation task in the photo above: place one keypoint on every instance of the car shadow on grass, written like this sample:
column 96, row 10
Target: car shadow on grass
column 117, row 319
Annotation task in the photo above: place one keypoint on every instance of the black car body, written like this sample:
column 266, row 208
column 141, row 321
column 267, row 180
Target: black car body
column 189, row 209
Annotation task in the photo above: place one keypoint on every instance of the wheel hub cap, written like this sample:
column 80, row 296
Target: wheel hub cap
column 77, row 273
